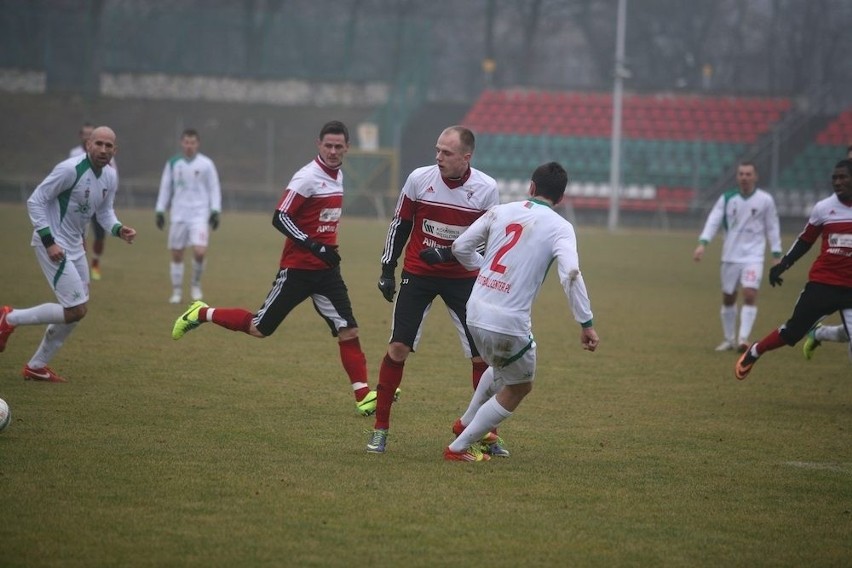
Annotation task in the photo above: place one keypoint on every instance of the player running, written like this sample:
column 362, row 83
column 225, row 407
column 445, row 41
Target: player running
column 61, row 208
column 308, row 215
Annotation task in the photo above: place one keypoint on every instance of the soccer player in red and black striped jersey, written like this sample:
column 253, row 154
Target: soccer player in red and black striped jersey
column 436, row 205
column 829, row 286
column 308, row 215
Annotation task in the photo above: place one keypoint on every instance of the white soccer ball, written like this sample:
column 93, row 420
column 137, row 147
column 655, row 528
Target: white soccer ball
column 5, row 415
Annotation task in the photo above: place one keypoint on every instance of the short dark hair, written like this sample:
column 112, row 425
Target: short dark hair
column 334, row 127
column 550, row 181
column 749, row 163
column 466, row 137
column 847, row 163
column 191, row 132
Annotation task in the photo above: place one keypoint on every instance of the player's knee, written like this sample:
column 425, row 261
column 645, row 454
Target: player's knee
column 523, row 389
column 76, row 313
column 398, row 351
column 254, row 332
column 347, row 333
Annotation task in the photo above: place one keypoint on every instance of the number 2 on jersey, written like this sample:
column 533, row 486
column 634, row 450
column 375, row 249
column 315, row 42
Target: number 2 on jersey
column 513, row 230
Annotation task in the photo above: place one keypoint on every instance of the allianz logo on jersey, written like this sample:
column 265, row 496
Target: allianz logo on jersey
column 330, row 215
column 442, row 230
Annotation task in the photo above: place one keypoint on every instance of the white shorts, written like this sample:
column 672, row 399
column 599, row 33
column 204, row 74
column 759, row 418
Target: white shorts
column 69, row 279
column 194, row 233
column 512, row 357
column 745, row 274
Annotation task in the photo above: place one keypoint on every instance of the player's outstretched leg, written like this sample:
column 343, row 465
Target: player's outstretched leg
column 188, row 320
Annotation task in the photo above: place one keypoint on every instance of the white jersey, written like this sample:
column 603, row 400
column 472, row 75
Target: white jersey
column 748, row 222
column 64, row 202
column 191, row 188
column 521, row 239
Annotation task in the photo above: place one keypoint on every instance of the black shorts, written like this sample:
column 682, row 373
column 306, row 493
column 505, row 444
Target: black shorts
column 291, row 287
column 414, row 300
column 815, row 302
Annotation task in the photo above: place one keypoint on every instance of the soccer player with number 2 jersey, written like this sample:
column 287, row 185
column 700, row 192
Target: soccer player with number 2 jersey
column 521, row 241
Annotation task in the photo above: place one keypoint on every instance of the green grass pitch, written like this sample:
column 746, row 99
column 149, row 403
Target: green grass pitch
column 221, row 449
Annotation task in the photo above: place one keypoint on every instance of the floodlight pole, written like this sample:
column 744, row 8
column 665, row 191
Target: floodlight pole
column 617, row 95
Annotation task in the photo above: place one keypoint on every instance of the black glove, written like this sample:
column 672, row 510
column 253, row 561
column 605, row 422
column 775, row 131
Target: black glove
column 776, row 271
column 214, row 220
column 436, row 255
column 326, row 253
column 161, row 221
column 387, row 283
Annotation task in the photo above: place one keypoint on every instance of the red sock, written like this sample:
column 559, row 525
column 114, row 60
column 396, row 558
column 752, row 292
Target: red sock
column 355, row 364
column 478, row 369
column 235, row 319
column 770, row 342
column 390, row 375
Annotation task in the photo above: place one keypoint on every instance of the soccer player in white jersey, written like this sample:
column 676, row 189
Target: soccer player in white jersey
column 60, row 209
column 190, row 186
column 521, row 241
column 100, row 235
column 749, row 218
column 308, row 215
column 435, row 205
column 829, row 285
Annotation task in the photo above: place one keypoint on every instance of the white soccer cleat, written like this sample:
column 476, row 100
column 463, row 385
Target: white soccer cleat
column 196, row 293
column 725, row 346
column 176, row 297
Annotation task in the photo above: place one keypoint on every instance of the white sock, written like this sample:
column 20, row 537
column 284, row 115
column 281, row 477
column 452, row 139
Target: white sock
column 729, row 321
column 829, row 333
column 487, row 418
column 748, row 314
column 176, row 271
column 54, row 337
column 484, row 391
column 42, row 314
column 197, row 271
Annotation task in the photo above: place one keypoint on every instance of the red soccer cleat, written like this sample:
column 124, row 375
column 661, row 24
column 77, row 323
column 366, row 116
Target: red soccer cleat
column 472, row 454
column 44, row 374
